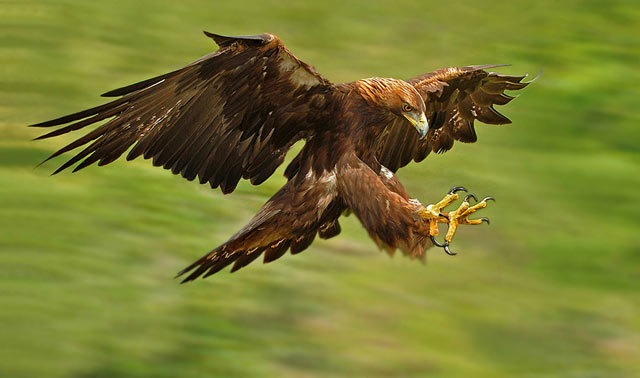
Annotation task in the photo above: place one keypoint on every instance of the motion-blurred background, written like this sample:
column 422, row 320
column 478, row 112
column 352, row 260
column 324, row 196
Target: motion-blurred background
column 550, row 289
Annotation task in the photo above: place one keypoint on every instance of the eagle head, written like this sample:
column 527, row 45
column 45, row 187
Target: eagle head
column 398, row 97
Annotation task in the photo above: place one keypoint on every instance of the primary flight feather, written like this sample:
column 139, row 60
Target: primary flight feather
column 235, row 113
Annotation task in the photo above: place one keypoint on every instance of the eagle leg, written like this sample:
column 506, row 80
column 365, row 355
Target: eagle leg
column 433, row 213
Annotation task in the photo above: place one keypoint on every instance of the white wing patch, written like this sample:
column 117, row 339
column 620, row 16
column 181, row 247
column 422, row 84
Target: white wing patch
column 386, row 173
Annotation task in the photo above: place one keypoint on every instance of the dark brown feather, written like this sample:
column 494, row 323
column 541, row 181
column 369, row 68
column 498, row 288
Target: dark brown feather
column 387, row 213
column 289, row 220
column 231, row 114
column 454, row 97
column 329, row 230
column 246, row 259
column 302, row 242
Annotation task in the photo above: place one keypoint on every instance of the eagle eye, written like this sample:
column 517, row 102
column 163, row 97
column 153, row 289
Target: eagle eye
column 407, row 108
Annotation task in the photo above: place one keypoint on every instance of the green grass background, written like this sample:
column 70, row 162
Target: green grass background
column 550, row 289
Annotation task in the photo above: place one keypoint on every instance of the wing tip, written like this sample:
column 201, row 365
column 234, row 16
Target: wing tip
column 110, row 93
column 210, row 35
column 60, row 169
column 190, row 277
column 52, row 122
column 117, row 92
column 484, row 66
column 226, row 40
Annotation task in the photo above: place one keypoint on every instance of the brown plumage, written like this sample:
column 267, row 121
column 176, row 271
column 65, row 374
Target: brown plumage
column 235, row 113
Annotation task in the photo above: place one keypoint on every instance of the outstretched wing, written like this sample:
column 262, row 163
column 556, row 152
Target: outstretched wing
column 454, row 98
column 231, row 114
column 307, row 205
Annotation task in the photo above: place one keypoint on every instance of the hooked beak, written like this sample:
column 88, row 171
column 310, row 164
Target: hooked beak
column 421, row 124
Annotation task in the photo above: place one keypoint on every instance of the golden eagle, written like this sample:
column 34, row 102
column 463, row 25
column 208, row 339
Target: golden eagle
column 236, row 112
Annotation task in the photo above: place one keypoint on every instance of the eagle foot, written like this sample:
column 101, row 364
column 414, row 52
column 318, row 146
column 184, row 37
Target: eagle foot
column 433, row 213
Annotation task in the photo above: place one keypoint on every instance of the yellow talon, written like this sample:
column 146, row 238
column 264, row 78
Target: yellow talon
column 461, row 215
column 454, row 218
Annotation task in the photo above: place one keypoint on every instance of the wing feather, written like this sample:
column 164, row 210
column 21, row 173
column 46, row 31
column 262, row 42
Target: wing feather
column 454, row 98
column 229, row 115
column 306, row 205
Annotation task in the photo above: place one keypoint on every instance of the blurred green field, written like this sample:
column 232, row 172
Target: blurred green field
column 551, row 289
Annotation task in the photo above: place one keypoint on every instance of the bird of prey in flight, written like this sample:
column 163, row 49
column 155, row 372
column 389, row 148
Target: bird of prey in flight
column 234, row 114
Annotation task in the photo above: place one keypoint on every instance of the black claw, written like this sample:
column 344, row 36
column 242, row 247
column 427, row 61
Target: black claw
column 447, row 250
column 445, row 216
column 435, row 242
column 466, row 198
column 485, row 220
column 456, row 189
column 445, row 246
column 488, row 199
